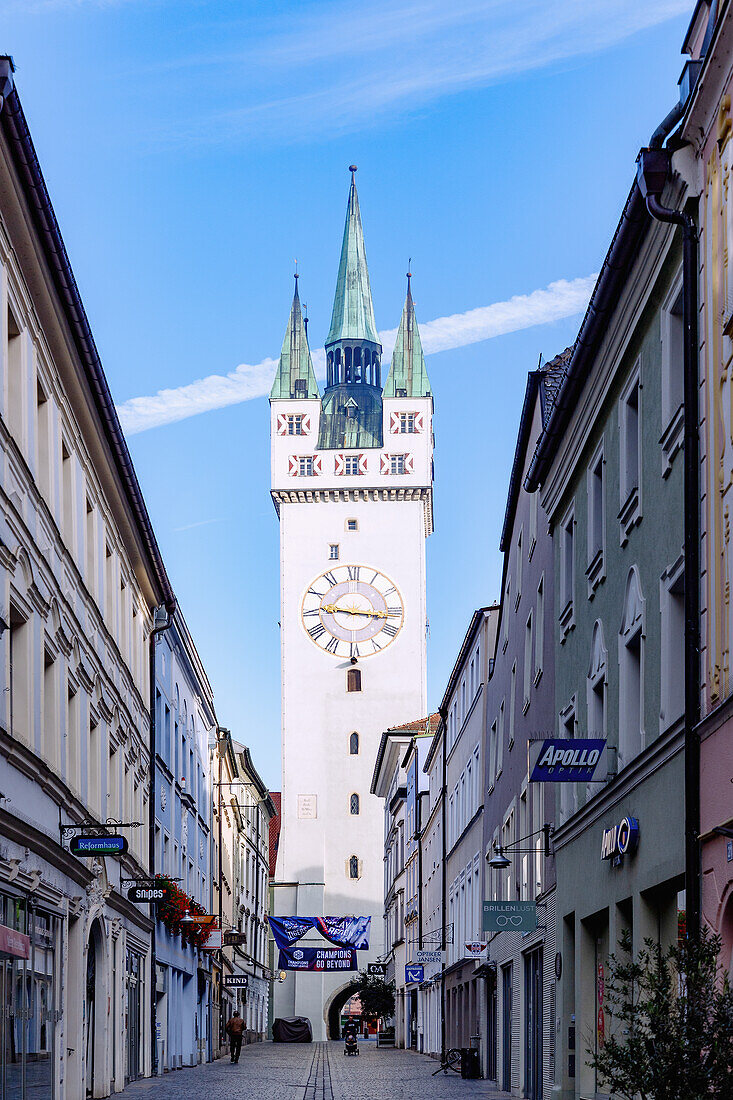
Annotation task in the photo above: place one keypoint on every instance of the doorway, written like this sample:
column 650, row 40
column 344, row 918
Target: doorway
column 91, row 1006
column 506, row 1027
column 533, row 1025
column 491, row 1030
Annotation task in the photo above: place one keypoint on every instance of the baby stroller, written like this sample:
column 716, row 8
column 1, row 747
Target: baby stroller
column 351, row 1045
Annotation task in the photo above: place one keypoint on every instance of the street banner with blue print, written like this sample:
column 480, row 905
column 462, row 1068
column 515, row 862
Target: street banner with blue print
column 317, row 958
column 347, row 932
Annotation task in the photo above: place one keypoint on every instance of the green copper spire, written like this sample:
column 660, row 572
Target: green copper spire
column 295, row 376
column 353, row 312
column 407, row 376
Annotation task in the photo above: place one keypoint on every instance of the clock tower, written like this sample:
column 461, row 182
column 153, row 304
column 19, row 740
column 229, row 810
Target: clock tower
column 352, row 487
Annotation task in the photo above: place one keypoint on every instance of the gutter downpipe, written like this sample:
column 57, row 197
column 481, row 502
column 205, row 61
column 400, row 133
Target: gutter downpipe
column 443, row 881
column 654, row 170
column 162, row 618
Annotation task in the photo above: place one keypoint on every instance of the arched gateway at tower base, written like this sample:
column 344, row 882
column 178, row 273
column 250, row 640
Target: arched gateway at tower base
column 333, row 1007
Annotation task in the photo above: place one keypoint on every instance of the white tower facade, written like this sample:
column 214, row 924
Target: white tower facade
column 352, row 486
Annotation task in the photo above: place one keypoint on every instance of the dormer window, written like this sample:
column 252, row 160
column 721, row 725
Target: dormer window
column 400, row 393
column 351, row 408
column 300, row 388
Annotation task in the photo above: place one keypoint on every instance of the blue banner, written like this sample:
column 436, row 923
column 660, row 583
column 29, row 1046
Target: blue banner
column 317, row 958
column 350, row 932
column 568, row 760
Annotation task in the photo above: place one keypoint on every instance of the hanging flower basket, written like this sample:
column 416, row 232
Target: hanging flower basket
column 173, row 911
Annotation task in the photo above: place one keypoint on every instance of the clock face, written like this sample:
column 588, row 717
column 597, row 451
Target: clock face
column 352, row 611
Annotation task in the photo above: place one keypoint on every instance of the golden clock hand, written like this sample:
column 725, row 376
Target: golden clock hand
column 332, row 608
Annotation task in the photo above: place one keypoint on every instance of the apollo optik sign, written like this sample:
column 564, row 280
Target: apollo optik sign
column 567, row 760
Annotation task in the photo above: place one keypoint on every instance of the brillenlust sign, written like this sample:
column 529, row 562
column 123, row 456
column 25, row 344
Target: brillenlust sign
column 509, row 916
column 567, row 760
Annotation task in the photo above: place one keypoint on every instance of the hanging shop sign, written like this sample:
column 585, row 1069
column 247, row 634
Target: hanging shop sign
column 426, row 957
column 567, row 760
column 317, row 958
column 377, row 970
column 234, row 939
column 214, row 942
column 235, row 981
column 509, row 916
column 205, row 918
column 14, row 943
column 414, row 974
column 477, row 949
column 148, row 892
column 98, row 845
column 350, row 932
column 620, row 840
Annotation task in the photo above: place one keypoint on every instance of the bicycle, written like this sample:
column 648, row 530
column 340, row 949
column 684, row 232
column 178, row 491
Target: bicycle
column 451, row 1060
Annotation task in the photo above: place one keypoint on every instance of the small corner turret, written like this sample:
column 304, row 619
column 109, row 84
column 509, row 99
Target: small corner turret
column 295, row 377
column 408, row 376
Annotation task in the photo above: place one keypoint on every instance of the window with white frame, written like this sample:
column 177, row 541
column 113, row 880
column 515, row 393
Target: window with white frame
column 407, row 423
column 333, row 552
column 295, row 424
column 631, row 672
column 305, row 466
column 512, row 705
column 567, row 571
column 596, row 690
column 492, row 753
column 672, row 606
column 673, row 343
column 352, row 525
column 539, row 630
column 397, row 464
column 505, row 615
column 596, row 549
column 630, row 455
column 477, row 800
column 500, row 741
column 351, row 465
column 528, row 632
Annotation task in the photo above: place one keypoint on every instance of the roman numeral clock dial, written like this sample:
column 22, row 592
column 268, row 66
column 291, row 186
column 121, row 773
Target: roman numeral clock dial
column 352, row 611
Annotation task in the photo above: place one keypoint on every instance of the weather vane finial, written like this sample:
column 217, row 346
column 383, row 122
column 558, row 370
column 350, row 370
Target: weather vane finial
column 409, row 274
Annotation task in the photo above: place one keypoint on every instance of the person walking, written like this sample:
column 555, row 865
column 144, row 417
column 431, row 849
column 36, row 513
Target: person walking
column 234, row 1029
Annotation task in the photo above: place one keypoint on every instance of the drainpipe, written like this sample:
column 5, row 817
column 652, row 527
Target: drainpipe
column 653, row 172
column 443, row 882
column 162, row 618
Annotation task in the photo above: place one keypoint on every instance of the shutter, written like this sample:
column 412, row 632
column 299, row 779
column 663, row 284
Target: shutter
column 293, row 466
column 306, row 424
column 282, row 424
column 339, row 464
column 384, row 464
column 362, row 464
column 409, row 467
column 394, row 422
column 317, row 464
column 419, row 422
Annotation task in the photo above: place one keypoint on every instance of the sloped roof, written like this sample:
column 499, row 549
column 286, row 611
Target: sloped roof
column 353, row 312
column 295, row 358
column 420, row 725
column 358, row 426
column 408, row 371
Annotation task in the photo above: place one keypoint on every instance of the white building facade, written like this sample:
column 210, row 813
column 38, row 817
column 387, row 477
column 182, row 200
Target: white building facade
column 346, row 468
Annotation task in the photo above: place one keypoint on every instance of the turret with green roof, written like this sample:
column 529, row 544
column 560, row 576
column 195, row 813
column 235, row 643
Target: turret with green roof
column 408, row 376
column 295, row 376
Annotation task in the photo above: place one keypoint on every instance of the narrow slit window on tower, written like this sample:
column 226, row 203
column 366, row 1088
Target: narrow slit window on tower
column 300, row 388
column 354, row 867
column 354, row 744
column 333, row 552
column 353, row 679
column 354, row 804
column 352, row 525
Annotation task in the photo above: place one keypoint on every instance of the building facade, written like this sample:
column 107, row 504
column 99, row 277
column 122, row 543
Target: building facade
column 432, row 891
column 82, row 584
column 346, row 467
column 184, row 723
column 520, row 712
column 464, row 716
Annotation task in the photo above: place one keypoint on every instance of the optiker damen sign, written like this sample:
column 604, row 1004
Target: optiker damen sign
column 567, row 760
column 620, row 840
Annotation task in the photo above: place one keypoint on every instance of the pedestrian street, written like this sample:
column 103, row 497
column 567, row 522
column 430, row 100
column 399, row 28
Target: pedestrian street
column 317, row 1071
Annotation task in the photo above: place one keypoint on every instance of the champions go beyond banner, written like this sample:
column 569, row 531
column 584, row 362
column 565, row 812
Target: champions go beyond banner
column 317, row 958
column 350, row 932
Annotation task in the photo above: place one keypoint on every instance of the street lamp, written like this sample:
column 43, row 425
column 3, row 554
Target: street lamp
column 499, row 861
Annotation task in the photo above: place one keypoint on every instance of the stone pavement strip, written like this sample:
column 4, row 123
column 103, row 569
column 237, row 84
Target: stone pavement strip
column 318, row 1071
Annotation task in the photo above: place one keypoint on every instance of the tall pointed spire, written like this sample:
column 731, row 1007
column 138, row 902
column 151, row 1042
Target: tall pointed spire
column 408, row 376
column 295, row 376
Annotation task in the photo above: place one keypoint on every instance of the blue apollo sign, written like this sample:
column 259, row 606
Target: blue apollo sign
column 620, row 840
column 567, row 760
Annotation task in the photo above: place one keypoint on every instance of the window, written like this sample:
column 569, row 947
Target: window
column 630, row 454
column 305, row 466
column 67, row 502
column 353, row 679
column 72, row 736
column 567, row 571
column 672, row 376
column 397, row 464
column 631, row 675
column 505, row 615
column 333, row 552
column 595, row 571
column 16, row 381
column 407, row 423
column 49, row 732
column 568, row 791
column 672, row 592
column 300, row 389
column 527, row 663
column 295, row 424
column 500, row 742
column 354, row 744
column 597, row 684
column 512, row 704
column 91, row 548
column 352, row 525
column 20, row 677
column 533, row 510
column 354, row 867
column 518, row 570
column 43, row 423
column 354, row 805
column 351, row 465
column 539, row 630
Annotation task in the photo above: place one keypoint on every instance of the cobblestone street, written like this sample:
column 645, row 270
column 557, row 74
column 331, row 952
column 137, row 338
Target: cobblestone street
column 313, row 1072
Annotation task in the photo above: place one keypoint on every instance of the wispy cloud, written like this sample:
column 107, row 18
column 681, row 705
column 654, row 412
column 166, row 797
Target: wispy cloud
column 333, row 67
column 563, row 298
column 198, row 523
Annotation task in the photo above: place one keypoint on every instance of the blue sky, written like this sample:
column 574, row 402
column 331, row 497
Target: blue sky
column 194, row 148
